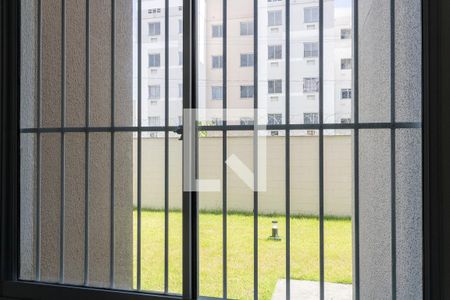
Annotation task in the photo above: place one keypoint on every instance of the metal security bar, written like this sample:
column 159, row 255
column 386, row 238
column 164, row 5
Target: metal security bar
column 190, row 205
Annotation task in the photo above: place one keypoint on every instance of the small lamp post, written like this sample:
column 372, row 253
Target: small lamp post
column 275, row 235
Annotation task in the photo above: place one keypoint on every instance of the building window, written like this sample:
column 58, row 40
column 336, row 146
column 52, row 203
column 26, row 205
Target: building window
column 311, row 14
column 275, row 18
column 154, row 28
column 346, row 33
column 217, row 61
column 154, row 11
column 274, row 119
column 247, row 28
column 247, row 91
column 180, row 58
column 247, row 60
column 154, row 60
column 346, row 93
column 346, row 64
column 217, row 31
column 310, row 84
column 310, row 50
column 311, row 118
column 217, row 92
column 180, row 90
column 154, row 92
column 246, row 121
column 275, row 52
column 346, row 120
column 154, row 121
column 275, row 86
column 180, row 26
column 273, row 1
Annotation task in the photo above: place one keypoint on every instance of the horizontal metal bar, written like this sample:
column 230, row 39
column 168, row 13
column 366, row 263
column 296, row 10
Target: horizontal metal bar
column 38, row 290
column 329, row 126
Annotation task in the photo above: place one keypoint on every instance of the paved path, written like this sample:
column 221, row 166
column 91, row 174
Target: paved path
column 309, row 290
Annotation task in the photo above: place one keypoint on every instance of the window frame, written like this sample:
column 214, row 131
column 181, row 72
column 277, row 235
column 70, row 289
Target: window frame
column 245, row 60
column 218, row 61
column 433, row 132
column 275, row 21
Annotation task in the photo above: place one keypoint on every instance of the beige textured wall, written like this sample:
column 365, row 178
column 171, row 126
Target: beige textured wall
column 99, row 236
column 304, row 174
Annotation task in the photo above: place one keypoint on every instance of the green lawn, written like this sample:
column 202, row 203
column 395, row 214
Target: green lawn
column 271, row 257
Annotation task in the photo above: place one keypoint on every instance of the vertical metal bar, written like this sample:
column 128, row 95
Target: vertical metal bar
column 166, row 147
column 288, row 154
column 356, row 148
column 321, row 163
column 63, row 104
column 393, row 184
column 38, row 143
column 224, row 153
column 112, row 183
column 139, row 148
column 189, row 208
column 86, row 151
column 255, row 150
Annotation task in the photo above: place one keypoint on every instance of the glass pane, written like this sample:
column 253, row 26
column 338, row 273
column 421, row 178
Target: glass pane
column 338, row 195
column 304, row 62
column 337, row 59
column 272, row 62
column 28, row 203
column 304, row 167
column 375, row 210
column 408, row 178
column 152, row 219
column 210, row 216
column 272, row 216
column 374, row 89
column 240, row 220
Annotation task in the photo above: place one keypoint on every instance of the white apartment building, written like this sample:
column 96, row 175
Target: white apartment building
column 304, row 60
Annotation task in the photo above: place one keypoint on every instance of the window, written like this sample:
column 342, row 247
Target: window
column 154, row 11
column 346, row 120
column 310, row 84
column 275, row 52
column 217, row 92
column 180, row 26
column 275, row 86
column 246, row 121
column 217, row 31
column 217, row 62
column 180, row 90
column 154, row 60
column 247, row 28
column 346, row 64
column 274, row 119
column 247, row 60
column 311, row 14
column 310, row 50
column 274, row 1
column 154, row 92
column 346, row 33
column 180, row 58
column 247, row 91
column 346, row 93
column 274, row 18
column 154, row 121
column 154, row 28
column 311, row 118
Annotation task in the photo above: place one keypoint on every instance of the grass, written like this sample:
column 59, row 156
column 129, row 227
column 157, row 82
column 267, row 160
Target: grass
column 271, row 254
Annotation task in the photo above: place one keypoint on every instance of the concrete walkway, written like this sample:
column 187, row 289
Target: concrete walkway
column 309, row 290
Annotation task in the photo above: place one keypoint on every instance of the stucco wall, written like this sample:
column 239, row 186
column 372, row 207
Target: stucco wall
column 304, row 174
column 99, row 237
column 376, row 277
